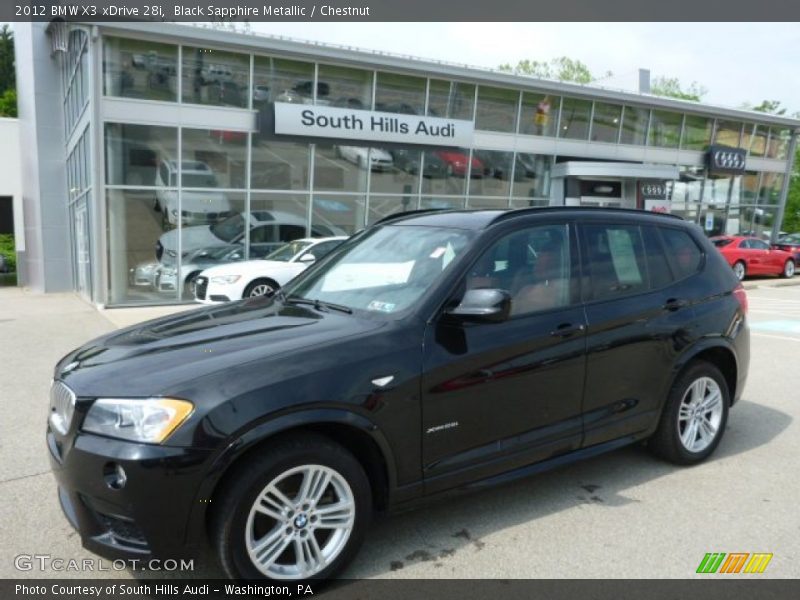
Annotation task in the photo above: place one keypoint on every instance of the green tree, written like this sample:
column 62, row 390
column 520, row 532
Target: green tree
column 8, row 103
column 767, row 106
column 8, row 83
column 562, row 69
column 672, row 88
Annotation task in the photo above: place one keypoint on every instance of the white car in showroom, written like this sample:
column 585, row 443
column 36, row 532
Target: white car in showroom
column 261, row 277
column 197, row 207
column 379, row 160
column 266, row 227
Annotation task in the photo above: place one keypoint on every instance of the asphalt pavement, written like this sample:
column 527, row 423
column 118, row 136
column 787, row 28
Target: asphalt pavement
column 624, row 515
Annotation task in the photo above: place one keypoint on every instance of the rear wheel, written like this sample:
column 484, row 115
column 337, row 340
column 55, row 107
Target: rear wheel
column 694, row 416
column 298, row 510
column 739, row 270
column 260, row 287
column 788, row 269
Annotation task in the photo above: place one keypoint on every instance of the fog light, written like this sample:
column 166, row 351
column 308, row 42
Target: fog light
column 114, row 476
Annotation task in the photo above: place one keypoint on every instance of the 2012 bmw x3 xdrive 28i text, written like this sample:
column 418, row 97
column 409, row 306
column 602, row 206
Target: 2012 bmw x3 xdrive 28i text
column 432, row 351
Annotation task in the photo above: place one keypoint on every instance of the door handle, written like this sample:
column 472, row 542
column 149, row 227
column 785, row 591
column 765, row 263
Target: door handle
column 674, row 304
column 567, row 329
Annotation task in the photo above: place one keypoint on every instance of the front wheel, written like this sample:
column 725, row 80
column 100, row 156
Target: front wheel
column 260, row 287
column 739, row 270
column 788, row 269
column 694, row 416
column 298, row 510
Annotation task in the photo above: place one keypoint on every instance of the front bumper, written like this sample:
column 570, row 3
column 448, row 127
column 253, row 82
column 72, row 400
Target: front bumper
column 150, row 515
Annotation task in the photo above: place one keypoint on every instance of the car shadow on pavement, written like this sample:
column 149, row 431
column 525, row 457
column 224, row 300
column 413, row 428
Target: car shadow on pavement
column 438, row 531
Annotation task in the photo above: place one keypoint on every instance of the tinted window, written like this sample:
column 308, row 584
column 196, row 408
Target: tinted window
column 721, row 243
column 759, row 245
column 617, row 261
column 658, row 268
column 684, row 254
column 533, row 265
column 262, row 234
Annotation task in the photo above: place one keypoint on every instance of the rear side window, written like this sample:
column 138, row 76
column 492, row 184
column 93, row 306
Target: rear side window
column 684, row 254
column 617, row 262
column 657, row 264
column 721, row 243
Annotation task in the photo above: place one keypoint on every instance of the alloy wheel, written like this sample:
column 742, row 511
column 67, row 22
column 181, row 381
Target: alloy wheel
column 739, row 270
column 700, row 414
column 262, row 289
column 788, row 269
column 300, row 522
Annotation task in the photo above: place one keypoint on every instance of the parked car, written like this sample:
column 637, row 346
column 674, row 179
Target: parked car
column 197, row 207
column 431, row 351
column 261, row 277
column 456, row 163
column 379, row 160
column 266, row 227
column 790, row 243
column 261, row 93
column 408, row 161
column 169, row 277
column 752, row 256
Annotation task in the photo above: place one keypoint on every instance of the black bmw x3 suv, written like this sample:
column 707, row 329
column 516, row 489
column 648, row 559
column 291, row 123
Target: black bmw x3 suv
column 433, row 351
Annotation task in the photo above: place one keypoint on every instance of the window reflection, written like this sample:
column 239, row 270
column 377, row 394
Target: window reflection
column 279, row 165
column 344, row 87
column 497, row 173
column 338, row 214
column 635, row 122
column 400, row 94
column 696, row 133
column 497, row 109
column 383, row 206
column 217, row 157
column 403, row 175
column 140, row 69
column 447, row 170
column 215, row 77
column 134, row 152
column 280, row 80
column 451, row 99
column 665, row 129
column 606, row 122
column 728, row 133
column 758, row 140
column 778, row 143
column 575, row 119
column 532, row 175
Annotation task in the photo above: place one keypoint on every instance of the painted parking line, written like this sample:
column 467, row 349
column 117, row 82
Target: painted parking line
column 780, row 326
column 775, row 337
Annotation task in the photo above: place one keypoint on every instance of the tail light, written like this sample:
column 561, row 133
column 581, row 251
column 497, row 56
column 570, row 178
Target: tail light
column 741, row 296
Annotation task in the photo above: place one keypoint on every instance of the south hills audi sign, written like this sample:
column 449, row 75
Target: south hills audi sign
column 723, row 160
column 370, row 126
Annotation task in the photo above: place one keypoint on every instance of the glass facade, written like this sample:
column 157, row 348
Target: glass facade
column 176, row 195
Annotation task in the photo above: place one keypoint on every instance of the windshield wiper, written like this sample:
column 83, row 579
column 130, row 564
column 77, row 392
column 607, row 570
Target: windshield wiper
column 317, row 304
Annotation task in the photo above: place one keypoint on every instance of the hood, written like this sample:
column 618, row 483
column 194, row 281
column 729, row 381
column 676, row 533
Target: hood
column 266, row 268
column 171, row 355
column 191, row 238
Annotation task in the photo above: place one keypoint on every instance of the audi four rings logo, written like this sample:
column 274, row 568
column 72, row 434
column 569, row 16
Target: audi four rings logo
column 728, row 160
column 653, row 190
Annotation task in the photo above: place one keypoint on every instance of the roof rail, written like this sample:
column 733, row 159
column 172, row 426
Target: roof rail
column 540, row 209
column 407, row 213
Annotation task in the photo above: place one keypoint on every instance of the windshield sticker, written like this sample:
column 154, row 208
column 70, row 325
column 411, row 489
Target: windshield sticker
column 379, row 306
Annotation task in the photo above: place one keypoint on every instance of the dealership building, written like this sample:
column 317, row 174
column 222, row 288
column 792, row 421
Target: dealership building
column 147, row 145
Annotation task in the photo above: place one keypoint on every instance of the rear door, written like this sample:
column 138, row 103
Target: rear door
column 756, row 256
column 634, row 309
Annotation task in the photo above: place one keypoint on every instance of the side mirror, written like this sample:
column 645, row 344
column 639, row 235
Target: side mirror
column 308, row 258
column 483, row 305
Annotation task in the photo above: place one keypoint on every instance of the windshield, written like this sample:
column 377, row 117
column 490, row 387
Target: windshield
column 387, row 270
column 288, row 251
column 793, row 238
column 229, row 229
column 199, row 180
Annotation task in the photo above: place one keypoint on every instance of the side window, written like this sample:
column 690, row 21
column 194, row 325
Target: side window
column 291, row 232
column 262, row 234
column 684, row 254
column 657, row 264
column 533, row 265
column 759, row 245
column 744, row 244
column 322, row 249
column 617, row 263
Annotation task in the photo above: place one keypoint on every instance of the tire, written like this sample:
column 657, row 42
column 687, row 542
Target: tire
column 788, row 269
column 670, row 439
column 740, row 270
column 285, row 464
column 156, row 204
column 260, row 287
column 188, row 285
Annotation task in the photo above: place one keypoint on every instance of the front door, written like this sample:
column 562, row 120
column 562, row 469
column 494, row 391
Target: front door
column 497, row 396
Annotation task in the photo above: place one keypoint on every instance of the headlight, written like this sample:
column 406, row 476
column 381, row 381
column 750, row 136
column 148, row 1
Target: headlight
column 149, row 420
column 225, row 279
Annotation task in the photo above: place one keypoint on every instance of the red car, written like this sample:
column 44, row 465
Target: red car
column 456, row 163
column 752, row 256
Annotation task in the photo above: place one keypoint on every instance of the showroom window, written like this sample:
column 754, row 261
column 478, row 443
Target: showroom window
column 539, row 114
column 339, row 168
column 497, row 170
column 769, row 190
column 215, row 77
column 400, row 94
column 635, row 122
column 696, row 133
column 758, row 140
column 606, row 122
column 442, row 202
column 75, row 78
column 728, row 133
column 574, row 122
column 381, row 206
column 140, row 69
column 133, row 154
column 665, row 129
column 340, row 214
column 400, row 175
column 451, row 99
column 279, row 165
column 343, row 86
column 778, row 143
column 449, row 168
column 497, row 109
column 280, row 80
column 532, row 176
column 214, row 158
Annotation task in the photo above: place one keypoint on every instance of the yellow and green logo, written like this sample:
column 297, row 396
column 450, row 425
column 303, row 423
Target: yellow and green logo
column 735, row 562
